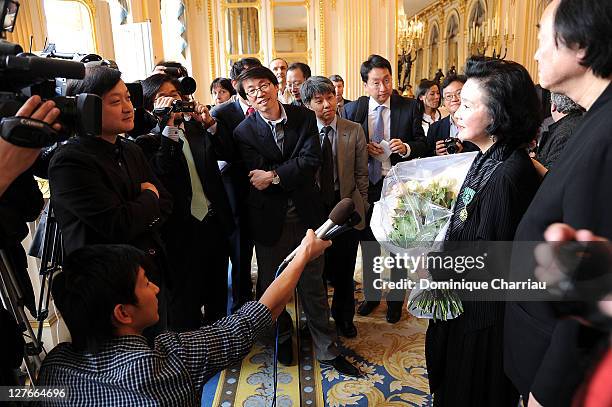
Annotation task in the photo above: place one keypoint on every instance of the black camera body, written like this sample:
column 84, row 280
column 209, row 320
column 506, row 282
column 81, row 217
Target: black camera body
column 178, row 106
column 450, row 144
column 23, row 75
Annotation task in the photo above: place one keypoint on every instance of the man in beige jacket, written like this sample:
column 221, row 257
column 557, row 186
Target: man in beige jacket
column 343, row 174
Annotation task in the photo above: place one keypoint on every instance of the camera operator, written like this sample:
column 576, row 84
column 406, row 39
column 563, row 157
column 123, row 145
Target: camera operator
column 103, row 189
column 442, row 135
column 184, row 157
column 20, row 201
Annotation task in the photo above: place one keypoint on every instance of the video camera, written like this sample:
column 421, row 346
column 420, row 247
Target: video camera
column 23, row 75
column 178, row 106
column 187, row 85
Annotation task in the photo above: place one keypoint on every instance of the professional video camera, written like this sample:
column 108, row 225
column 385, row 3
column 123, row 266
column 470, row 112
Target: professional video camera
column 25, row 74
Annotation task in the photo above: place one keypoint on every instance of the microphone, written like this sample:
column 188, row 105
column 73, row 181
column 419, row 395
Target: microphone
column 337, row 230
column 337, row 217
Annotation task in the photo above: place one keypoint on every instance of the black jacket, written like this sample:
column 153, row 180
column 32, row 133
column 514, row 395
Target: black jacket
column 554, row 140
column 405, row 124
column 168, row 163
column 440, row 130
column 543, row 355
column 296, row 167
column 99, row 201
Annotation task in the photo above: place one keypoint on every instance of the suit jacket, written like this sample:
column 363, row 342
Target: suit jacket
column 440, row 130
column 168, row 162
column 98, row 201
column 405, row 124
column 543, row 354
column 296, row 166
column 352, row 162
column 228, row 116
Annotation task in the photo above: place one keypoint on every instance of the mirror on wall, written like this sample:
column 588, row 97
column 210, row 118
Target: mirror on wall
column 452, row 43
column 290, row 25
column 242, row 30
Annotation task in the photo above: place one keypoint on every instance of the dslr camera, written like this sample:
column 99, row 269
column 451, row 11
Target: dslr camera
column 451, row 145
column 23, row 75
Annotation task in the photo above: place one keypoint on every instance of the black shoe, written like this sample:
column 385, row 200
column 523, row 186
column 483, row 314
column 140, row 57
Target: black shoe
column 393, row 314
column 342, row 366
column 346, row 329
column 367, row 307
column 285, row 352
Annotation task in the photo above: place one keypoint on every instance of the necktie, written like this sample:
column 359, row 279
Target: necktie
column 279, row 134
column 326, row 174
column 199, row 203
column 375, row 166
column 250, row 111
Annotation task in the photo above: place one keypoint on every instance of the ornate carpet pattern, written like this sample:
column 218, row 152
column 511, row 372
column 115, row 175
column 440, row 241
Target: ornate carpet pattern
column 390, row 357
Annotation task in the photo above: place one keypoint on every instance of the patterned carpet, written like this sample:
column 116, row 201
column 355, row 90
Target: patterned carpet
column 391, row 358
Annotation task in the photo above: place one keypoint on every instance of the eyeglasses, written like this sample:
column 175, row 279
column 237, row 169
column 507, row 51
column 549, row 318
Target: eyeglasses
column 263, row 88
column 454, row 95
column 385, row 83
column 294, row 84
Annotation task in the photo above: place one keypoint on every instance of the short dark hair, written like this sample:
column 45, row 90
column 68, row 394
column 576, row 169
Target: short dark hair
column 94, row 280
column 151, row 85
column 98, row 80
column 316, row 85
column 260, row 72
column 585, row 24
column 510, row 98
column 305, row 69
column 336, row 78
column 223, row 83
column 453, row 78
column 374, row 61
column 242, row 65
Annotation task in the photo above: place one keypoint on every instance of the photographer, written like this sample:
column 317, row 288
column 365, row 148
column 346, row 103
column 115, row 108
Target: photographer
column 103, row 189
column 442, row 135
column 184, row 157
column 20, row 201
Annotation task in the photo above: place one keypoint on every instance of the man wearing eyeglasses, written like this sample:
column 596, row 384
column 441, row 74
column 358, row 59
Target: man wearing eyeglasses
column 393, row 132
column 279, row 145
column 442, row 135
column 297, row 73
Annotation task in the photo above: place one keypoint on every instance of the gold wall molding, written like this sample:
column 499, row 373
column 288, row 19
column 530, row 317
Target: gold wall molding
column 212, row 57
column 322, row 67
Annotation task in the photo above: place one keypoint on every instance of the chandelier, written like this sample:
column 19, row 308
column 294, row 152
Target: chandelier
column 411, row 33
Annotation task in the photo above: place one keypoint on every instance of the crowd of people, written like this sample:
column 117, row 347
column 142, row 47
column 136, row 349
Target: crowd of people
column 152, row 222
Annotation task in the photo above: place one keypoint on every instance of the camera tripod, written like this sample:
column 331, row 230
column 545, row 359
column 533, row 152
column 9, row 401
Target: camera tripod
column 12, row 298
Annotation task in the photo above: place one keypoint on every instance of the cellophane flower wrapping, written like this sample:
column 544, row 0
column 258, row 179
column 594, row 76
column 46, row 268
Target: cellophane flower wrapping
column 412, row 218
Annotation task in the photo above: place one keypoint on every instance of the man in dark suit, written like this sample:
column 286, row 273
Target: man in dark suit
column 227, row 117
column 343, row 174
column 393, row 122
column 280, row 148
column 545, row 357
column 184, row 157
column 446, row 128
column 340, row 100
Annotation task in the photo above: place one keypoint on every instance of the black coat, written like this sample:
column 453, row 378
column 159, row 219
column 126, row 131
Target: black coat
column 473, row 342
column 296, row 167
column 440, row 130
column 554, row 140
column 405, row 124
column 98, row 201
column 544, row 355
column 168, row 162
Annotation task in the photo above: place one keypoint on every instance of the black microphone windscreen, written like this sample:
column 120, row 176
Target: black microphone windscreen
column 342, row 211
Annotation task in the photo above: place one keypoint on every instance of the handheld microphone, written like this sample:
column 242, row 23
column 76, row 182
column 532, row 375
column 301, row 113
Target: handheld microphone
column 353, row 220
column 337, row 217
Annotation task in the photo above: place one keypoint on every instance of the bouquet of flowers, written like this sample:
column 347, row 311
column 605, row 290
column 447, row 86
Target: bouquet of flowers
column 413, row 215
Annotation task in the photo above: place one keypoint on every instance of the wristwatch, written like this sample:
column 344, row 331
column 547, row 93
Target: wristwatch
column 275, row 178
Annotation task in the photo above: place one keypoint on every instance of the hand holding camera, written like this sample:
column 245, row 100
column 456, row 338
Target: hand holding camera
column 202, row 115
column 448, row 146
column 15, row 159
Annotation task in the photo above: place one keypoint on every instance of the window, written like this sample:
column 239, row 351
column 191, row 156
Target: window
column 69, row 26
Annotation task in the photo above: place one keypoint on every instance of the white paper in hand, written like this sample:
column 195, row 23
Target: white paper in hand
column 384, row 144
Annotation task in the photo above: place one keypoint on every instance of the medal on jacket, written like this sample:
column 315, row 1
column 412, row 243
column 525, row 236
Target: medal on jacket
column 466, row 198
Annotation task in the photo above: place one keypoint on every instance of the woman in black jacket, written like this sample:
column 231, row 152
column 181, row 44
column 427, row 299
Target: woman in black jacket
column 498, row 113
